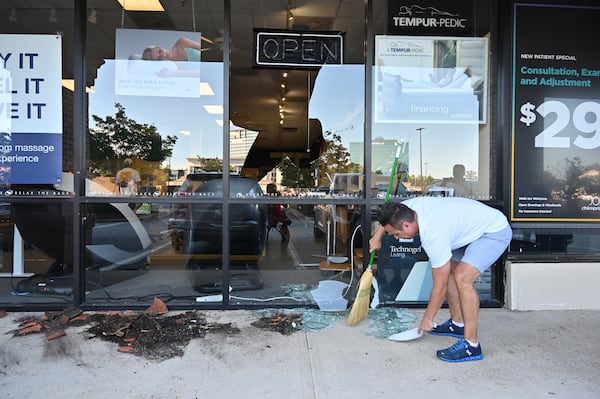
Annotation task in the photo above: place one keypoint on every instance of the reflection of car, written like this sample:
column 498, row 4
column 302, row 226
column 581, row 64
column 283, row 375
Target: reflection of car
column 439, row 191
column 193, row 181
column 179, row 212
column 196, row 228
column 320, row 191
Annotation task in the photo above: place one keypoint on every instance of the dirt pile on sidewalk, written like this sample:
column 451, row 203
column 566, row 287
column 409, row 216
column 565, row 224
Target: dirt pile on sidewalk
column 151, row 334
column 281, row 322
column 155, row 337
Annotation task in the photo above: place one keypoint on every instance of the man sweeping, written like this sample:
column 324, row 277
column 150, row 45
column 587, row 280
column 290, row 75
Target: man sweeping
column 462, row 238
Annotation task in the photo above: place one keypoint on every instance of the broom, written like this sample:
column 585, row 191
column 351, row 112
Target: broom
column 360, row 307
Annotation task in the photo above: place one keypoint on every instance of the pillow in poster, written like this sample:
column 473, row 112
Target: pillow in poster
column 147, row 67
column 458, row 82
column 459, row 72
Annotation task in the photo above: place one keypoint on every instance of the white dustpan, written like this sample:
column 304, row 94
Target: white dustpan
column 408, row 335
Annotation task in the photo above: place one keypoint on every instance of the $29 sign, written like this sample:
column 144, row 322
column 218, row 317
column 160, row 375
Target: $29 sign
column 586, row 119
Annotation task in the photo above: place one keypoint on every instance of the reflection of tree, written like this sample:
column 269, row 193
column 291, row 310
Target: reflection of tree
column 471, row 175
column 210, row 164
column 573, row 171
column 427, row 180
column 556, row 186
column 293, row 176
column 335, row 159
column 118, row 137
column 590, row 180
column 579, row 180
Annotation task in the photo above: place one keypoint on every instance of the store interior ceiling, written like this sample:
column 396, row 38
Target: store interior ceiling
column 254, row 93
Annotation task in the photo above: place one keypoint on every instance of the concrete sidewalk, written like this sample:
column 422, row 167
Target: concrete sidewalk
column 542, row 354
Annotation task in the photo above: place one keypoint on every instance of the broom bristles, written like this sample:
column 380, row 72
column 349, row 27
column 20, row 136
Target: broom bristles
column 360, row 307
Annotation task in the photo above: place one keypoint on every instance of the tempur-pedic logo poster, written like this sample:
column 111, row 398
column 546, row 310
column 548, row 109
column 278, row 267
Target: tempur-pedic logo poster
column 430, row 79
column 556, row 114
column 30, row 109
column 157, row 63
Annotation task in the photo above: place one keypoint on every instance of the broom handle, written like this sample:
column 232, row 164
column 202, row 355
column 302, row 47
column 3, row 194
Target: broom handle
column 394, row 168
column 387, row 196
column 371, row 259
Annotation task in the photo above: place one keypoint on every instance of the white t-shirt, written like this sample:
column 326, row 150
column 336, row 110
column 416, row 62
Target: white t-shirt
column 446, row 224
column 127, row 179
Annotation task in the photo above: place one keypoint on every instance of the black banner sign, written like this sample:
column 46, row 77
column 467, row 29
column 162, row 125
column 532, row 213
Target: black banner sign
column 556, row 114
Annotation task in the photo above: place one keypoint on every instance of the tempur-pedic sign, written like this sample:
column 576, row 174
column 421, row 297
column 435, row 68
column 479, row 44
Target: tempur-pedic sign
column 434, row 17
column 297, row 49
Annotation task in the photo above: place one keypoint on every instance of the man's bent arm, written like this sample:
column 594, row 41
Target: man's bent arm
column 436, row 297
column 375, row 241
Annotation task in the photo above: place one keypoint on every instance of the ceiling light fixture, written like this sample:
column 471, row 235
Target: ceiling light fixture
column 69, row 84
column 53, row 18
column 289, row 16
column 141, row 5
column 213, row 109
column 13, row 15
column 92, row 16
column 206, row 90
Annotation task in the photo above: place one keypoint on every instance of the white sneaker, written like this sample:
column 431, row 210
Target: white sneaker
column 144, row 209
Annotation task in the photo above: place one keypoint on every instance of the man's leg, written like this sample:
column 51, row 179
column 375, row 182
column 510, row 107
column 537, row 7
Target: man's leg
column 461, row 351
column 450, row 327
column 480, row 253
column 464, row 276
column 453, row 297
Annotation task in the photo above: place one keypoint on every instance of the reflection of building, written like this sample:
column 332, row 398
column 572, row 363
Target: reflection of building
column 240, row 142
column 383, row 153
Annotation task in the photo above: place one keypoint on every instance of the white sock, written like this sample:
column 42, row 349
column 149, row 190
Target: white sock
column 474, row 344
column 457, row 324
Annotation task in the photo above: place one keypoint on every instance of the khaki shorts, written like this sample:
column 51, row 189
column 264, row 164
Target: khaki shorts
column 483, row 252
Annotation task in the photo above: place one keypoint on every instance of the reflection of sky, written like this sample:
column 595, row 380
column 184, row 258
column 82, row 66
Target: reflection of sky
column 442, row 146
column 338, row 101
column 198, row 132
